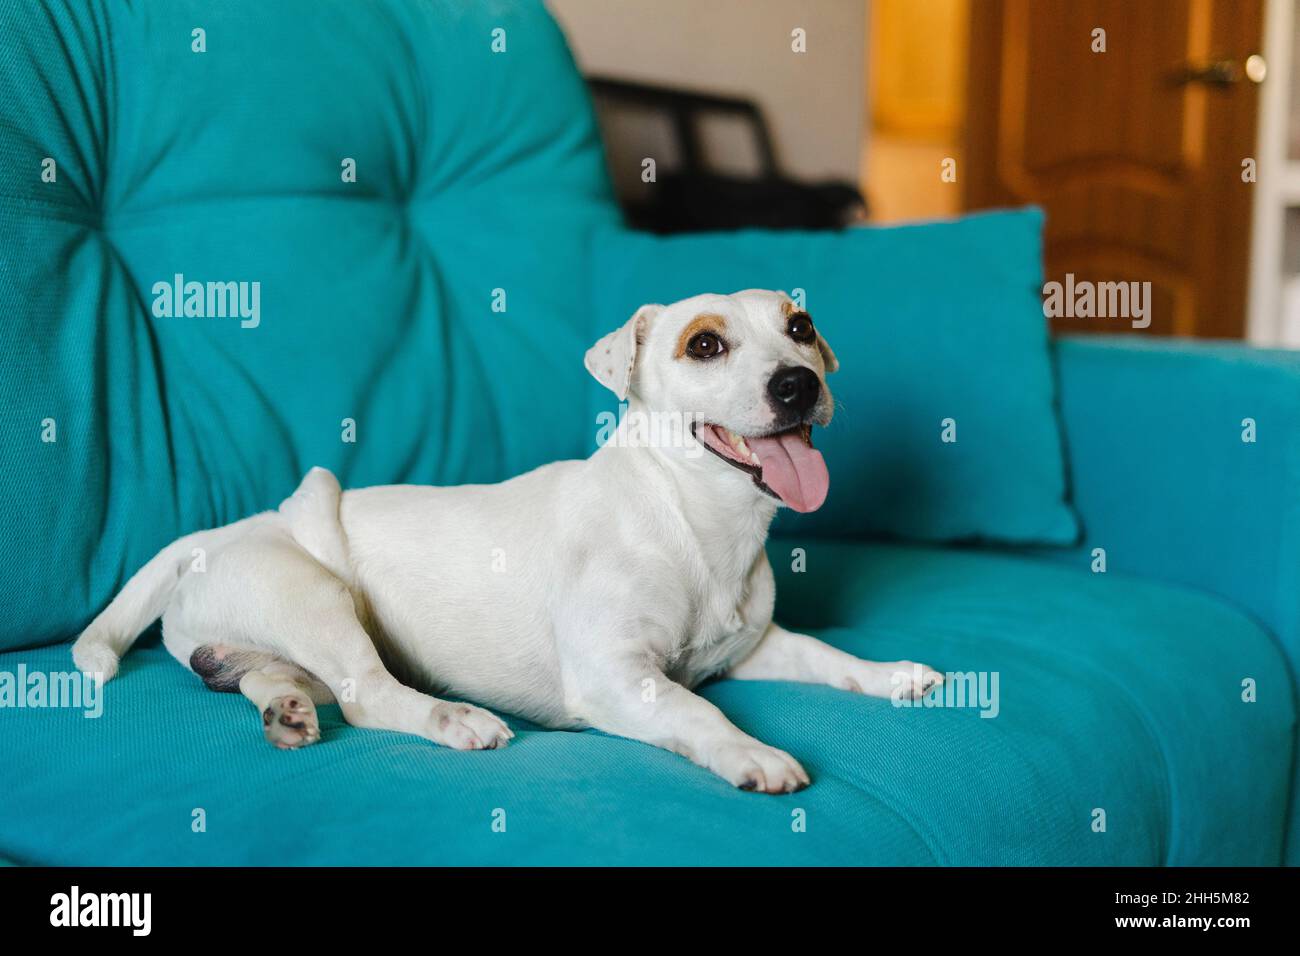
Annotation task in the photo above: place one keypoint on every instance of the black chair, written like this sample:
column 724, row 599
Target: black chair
column 687, row 195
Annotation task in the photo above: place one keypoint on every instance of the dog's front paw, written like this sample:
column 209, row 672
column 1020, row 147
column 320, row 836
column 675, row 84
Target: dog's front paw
column 912, row 681
column 756, row 766
column 899, row 680
column 290, row 722
column 465, row 727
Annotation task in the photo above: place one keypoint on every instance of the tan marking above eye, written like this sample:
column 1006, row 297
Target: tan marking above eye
column 704, row 322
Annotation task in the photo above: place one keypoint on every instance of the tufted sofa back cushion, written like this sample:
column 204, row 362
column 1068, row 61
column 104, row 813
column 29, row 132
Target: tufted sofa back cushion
column 200, row 301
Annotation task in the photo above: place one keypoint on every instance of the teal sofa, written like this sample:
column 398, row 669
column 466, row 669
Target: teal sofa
column 438, row 301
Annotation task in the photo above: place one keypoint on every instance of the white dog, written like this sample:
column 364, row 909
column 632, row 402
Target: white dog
column 589, row 593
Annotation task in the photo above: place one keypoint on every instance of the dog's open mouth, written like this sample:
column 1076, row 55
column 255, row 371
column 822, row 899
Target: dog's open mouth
column 783, row 464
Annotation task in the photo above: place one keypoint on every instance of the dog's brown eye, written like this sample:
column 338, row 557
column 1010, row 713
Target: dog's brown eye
column 800, row 327
column 706, row 345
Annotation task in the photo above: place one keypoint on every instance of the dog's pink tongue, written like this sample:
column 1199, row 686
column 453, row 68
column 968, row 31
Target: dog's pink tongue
column 793, row 469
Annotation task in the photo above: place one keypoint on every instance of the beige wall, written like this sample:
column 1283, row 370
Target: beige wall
column 917, row 58
column 813, row 101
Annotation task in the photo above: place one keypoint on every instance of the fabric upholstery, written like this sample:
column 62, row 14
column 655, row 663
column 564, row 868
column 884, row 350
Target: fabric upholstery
column 1114, row 694
column 1169, row 489
column 478, row 178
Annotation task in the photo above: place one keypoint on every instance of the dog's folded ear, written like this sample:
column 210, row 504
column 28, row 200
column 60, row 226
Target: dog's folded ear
column 612, row 359
column 828, row 357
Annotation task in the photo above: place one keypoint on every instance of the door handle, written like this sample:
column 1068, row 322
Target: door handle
column 1223, row 73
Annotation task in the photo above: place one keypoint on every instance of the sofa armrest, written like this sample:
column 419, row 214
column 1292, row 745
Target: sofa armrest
column 1164, row 482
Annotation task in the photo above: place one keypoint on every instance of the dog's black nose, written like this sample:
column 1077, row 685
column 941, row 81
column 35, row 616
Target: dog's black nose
column 795, row 388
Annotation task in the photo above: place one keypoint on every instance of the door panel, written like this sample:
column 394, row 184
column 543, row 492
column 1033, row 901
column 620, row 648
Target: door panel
column 1139, row 170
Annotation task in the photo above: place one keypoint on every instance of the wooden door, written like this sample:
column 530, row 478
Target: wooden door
column 1136, row 153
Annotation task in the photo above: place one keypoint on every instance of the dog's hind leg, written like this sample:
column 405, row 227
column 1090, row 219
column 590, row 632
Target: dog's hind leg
column 283, row 693
column 264, row 593
column 345, row 659
column 311, row 619
column 311, row 515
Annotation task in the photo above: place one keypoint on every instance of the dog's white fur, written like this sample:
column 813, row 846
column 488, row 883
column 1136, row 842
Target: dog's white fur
column 589, row 593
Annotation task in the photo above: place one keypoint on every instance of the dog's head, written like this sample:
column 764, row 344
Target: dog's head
column 747, row 370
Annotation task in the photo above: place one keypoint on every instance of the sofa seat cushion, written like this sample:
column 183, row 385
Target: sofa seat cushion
column 1114, row 694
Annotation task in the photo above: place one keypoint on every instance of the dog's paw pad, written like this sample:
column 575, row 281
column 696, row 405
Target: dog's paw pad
column 466, row 727
column 290, row 722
